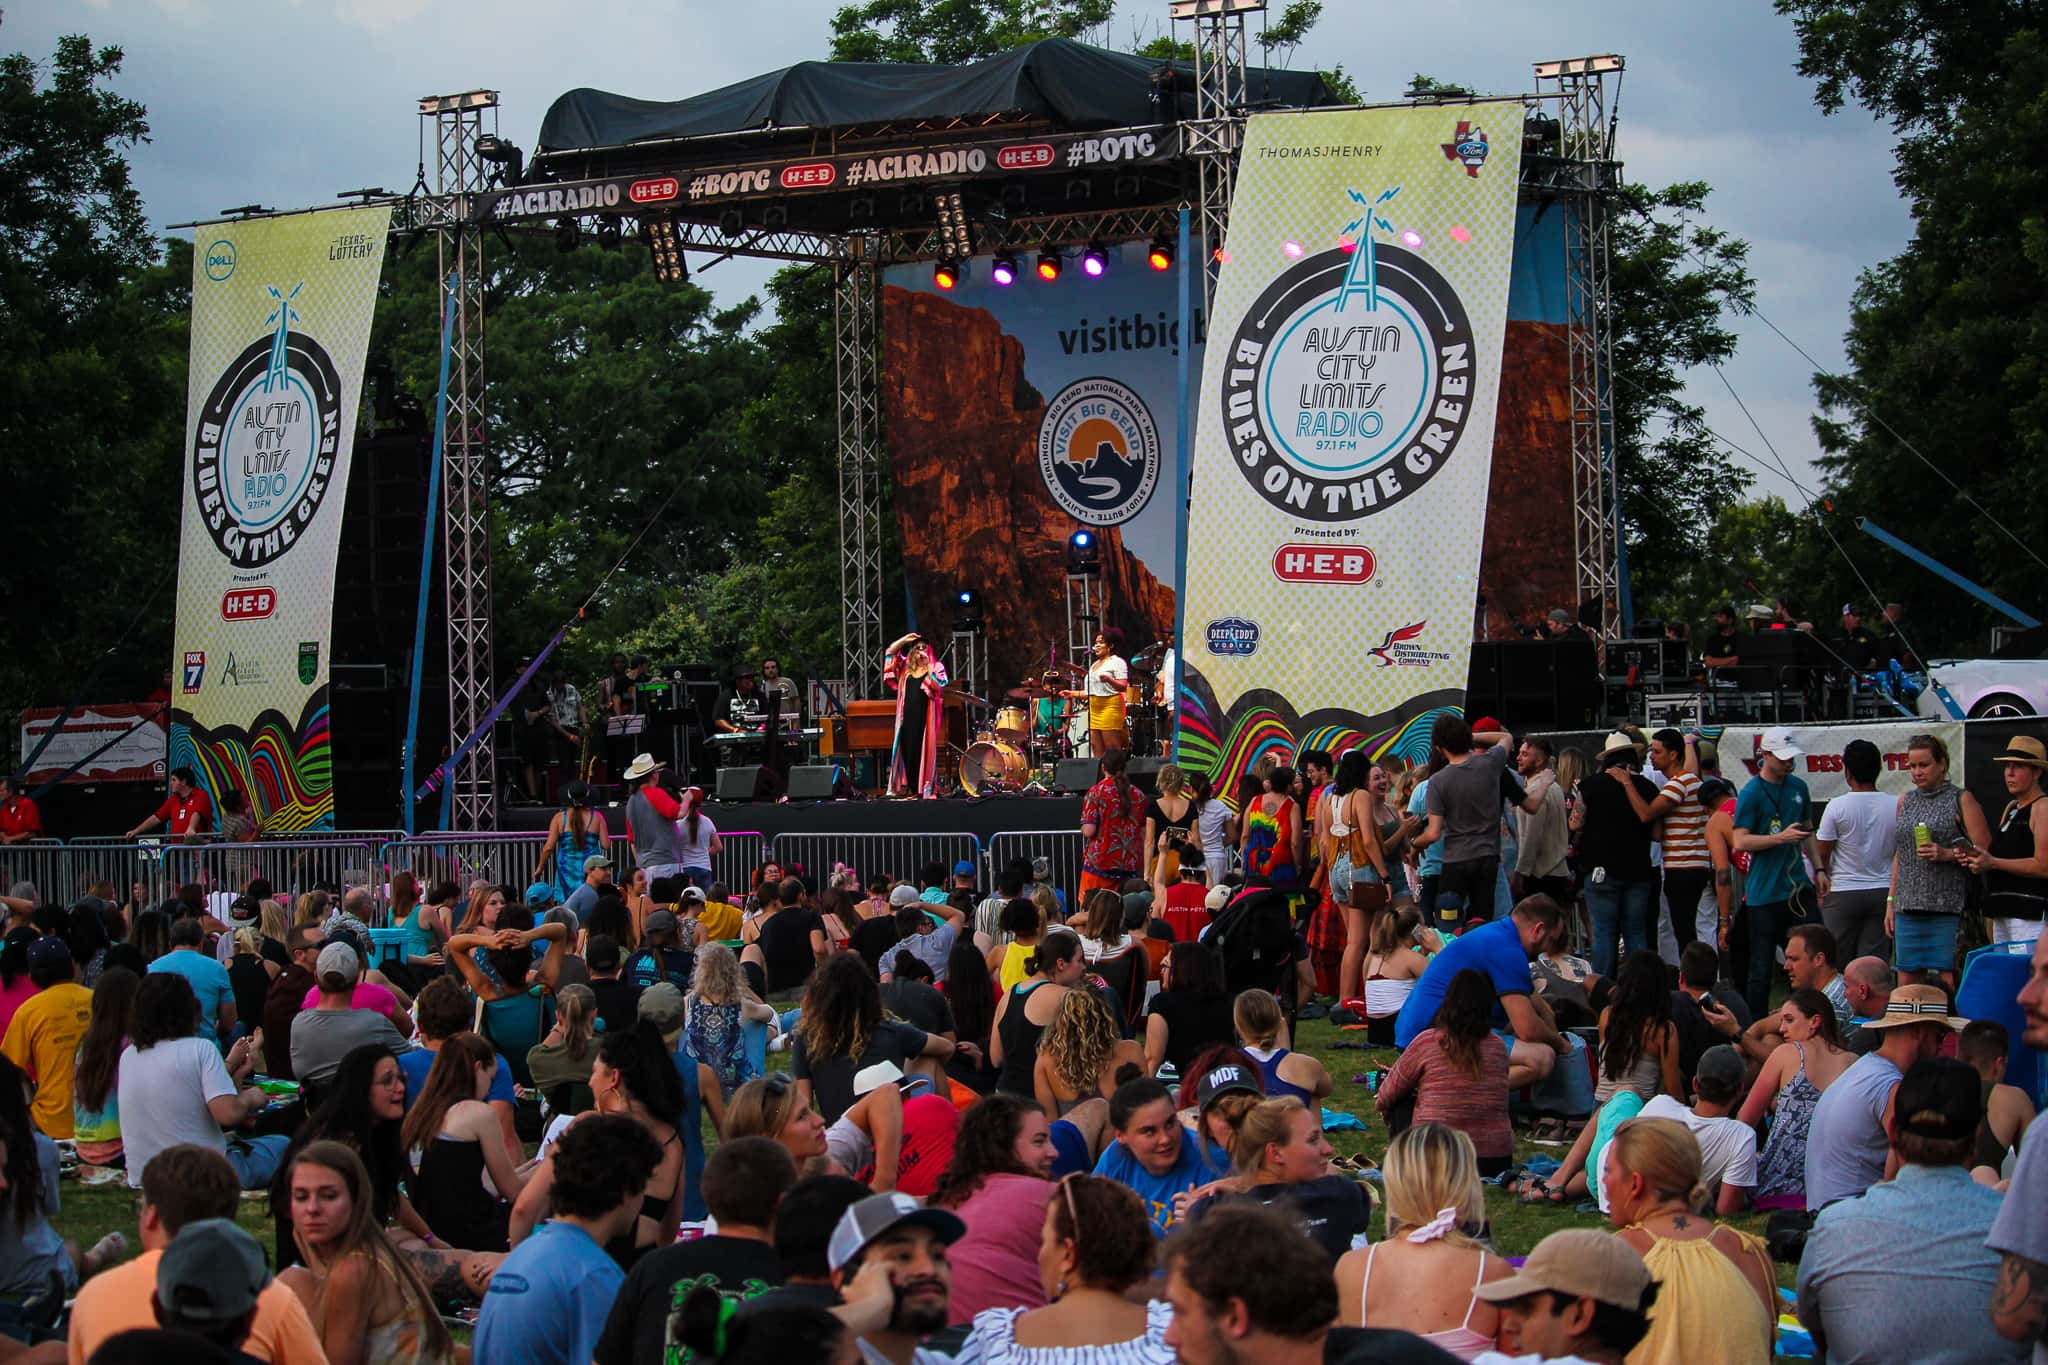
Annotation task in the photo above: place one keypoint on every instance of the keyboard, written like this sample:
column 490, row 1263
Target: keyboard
column 761, row 737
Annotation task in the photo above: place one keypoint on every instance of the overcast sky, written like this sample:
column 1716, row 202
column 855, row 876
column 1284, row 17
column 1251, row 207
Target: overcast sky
column 285, row 104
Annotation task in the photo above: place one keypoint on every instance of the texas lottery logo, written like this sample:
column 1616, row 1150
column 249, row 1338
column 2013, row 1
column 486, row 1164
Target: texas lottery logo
column 1348, row 382
column 266, row 441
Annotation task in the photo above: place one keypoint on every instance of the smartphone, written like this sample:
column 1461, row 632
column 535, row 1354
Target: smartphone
column 1706, row 1000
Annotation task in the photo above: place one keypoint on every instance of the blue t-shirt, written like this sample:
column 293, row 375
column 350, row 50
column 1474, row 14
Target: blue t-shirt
column 418, row 1062
column 547, row 1303
column 1432, row 861
column 1157, row 1191
column 1495, row 949
column 209, row 982
column 1764, row 808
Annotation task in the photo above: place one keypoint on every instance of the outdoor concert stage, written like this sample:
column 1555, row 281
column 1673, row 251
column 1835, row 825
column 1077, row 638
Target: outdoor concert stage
column 982, row 817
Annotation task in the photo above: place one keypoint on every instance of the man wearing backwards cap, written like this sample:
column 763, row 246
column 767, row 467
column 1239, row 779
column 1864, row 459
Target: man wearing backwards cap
column 2019, row 1305
column 888, row 1259
column 208, row 1282
column 1771, row 823
column 1903, row 1273
column 1847, row 1138
column 1583, row 1296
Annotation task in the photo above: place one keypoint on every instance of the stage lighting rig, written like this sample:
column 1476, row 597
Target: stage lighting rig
column 1004, row 269
column 1160, row 254
column 1084, row 553
column 664, row 244
column 954, row 233
column 967, row 612
column 1048, row 263
column 568, row 234
column 507, row 158
column 611, row 234
column 1094, row 261
column 946, row 274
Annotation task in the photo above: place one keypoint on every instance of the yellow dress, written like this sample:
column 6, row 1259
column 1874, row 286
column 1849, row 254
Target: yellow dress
column 1705, row 1309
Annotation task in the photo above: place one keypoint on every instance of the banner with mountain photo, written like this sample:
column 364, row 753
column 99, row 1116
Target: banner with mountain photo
column 281, row 311
column 1017, row 414
column 1344, row 433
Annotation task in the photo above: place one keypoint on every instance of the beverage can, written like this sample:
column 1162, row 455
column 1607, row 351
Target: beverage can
column 1921, row 836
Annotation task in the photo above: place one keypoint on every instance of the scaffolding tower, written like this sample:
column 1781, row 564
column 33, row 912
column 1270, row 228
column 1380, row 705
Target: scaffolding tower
column 1216, row 132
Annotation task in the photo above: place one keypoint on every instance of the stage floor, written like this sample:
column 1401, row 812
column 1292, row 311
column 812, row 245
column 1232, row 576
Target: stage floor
column 981, row 817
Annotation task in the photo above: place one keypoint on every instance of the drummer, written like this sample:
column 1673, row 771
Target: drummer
column 1109, row 680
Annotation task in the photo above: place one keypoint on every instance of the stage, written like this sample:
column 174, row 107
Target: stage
column 982, row 817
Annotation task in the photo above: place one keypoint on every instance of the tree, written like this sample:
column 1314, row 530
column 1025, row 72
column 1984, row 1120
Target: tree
column 951, row 31
column 1941, row 426
column 93, row 337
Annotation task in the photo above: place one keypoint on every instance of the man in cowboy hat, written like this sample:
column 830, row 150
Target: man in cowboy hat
column 2015, row 866
column 651, row 815
column 1848, row 1140
column 1865, row 1287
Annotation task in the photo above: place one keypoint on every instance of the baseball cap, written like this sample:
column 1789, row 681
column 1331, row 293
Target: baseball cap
column 597, row 860
column 902, row 896
column 49, row 951
column 1218, row 897
column 211, row 1272
column 339, row 959
column 540, row 893
column 1581, row 1262
column 1721, row 1065
column 1041, row 869
column 1219, row 1081
column 1940, row 1098
column 660, row 920
column 1780, row 743
column 963, row 868
column 1486, row 723
column 1138, row 900
column 1849, row 609
column 694, row 893
column 662, row 1006
column 874, row 1077
column 879, row 1213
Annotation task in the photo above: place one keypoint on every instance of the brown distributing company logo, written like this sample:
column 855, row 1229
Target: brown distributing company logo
column 1399, row 649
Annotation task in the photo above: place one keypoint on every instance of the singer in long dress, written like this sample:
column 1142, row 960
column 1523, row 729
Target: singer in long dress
column 919, row 680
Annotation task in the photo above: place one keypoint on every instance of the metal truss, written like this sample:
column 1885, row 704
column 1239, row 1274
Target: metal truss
column 1216, row 132
column 1585, row 177
column 856, row 325
column 458, row 122
column 1028, row 234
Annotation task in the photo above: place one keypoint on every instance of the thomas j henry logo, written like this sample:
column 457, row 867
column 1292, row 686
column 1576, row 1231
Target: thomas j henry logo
column 1233, row 637
column 1349, row 380
column 1098, row 452
column 265, row 449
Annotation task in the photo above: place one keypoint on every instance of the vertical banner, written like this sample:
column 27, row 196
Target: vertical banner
column 1019, row 413
column 281, row 312
column 1344, row 432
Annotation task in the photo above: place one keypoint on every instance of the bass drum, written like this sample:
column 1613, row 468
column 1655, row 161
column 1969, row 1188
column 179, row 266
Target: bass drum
column 987, row 768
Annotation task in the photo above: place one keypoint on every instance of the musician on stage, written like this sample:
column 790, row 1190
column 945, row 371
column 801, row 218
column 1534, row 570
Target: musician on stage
column 1109, row 680
column 746, row 712
column 919, row 680
column 780, row 692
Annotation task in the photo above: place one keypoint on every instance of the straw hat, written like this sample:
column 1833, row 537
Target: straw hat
column 2024, row 749
column 640, row 767
column 1915, row 1005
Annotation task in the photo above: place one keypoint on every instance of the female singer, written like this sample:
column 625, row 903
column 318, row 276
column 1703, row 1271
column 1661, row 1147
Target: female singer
column 1109, row 679
column 919, row 679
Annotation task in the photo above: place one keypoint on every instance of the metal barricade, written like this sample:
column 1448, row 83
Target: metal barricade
column 1060, row 847
column 292, row 867
column 504, row 858
column 44, row 864
column 734, row 864
column 875, row 855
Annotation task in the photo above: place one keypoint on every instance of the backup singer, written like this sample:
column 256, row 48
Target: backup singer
column 919, row 680
column 1109, row 679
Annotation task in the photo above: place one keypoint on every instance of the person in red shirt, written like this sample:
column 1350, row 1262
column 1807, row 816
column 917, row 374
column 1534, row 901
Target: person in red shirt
column 1184, row 904
column 20, row 821
column 187, row 812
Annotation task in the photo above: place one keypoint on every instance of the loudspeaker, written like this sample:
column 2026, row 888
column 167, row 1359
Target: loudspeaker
column 1074, row 774
column 814, row 781
column 741, row 783
column 1144, row 774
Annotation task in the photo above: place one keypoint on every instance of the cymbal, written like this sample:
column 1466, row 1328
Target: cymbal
column 962, row 694
column 1151, row 651
column 1065, row 667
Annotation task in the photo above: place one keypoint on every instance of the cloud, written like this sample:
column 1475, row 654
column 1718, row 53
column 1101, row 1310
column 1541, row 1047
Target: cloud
column 378, row 16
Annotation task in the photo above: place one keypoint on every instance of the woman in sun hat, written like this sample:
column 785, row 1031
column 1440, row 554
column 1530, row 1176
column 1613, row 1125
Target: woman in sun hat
column 2015, row 864
column 1937, row 826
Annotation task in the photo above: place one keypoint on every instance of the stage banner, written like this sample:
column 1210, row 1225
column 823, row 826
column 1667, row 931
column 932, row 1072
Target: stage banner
column 1820, row 767
column 1344, row 433
column 1017, row 414
column 281, row 312
column 106, row 742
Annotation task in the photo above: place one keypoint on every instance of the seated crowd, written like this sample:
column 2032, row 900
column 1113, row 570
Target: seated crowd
column 1003, row 1132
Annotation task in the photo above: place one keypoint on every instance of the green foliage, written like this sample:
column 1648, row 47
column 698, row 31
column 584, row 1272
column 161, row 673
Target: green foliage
column 1948, row 341
column 950, row 31
column 93, row 336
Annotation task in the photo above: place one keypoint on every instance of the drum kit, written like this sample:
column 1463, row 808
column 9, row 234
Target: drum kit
column 1035, row 725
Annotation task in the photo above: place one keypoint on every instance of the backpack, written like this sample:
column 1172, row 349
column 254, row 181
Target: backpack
column 1254, row 935
column 650, row 965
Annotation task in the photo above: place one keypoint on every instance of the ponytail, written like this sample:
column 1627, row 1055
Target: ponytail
column 714, row 1327
column 1059, row 946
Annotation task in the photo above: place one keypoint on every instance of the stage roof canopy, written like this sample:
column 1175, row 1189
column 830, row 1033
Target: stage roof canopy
column 1055, row 81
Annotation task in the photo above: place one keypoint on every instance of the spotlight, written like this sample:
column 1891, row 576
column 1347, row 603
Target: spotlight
column 946, row 274
column 1160, row 257
column 732, row 223
column 1048, row 263
column 1084, row 554
column 610, row 235
column 967, row 611
column 664, row 244
column 1004, row 269
column 567, row 234
column 1094, row 261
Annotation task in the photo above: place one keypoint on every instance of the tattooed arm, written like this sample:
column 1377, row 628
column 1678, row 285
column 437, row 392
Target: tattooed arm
column 2019, row 1304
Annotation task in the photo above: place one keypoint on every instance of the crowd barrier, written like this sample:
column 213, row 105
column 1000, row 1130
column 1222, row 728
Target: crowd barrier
column 60, row 872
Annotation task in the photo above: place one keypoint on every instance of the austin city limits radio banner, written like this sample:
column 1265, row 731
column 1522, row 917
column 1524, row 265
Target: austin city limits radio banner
column 281, row 312
column 1344, row 431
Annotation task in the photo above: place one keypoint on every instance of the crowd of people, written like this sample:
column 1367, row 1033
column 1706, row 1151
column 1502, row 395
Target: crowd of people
column 895, row 1119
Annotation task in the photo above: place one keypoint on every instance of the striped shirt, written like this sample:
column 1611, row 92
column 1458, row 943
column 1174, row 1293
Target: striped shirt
column 1685, row 824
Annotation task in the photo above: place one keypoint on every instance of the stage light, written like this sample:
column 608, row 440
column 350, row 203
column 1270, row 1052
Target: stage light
column 1160, row 257
column 665, row 245
column 1094, row 261
column 1411, row 239
column 732, row 223
column 1004, row 269
column 1084, row 553
column 610, row 235
column 946, row 274
column 967, row 611
column 1292, row 249
column 567, row 234
column 1049, row 263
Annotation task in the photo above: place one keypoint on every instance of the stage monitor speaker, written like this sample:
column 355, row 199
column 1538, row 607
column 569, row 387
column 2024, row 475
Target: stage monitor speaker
column 1074, row 774
column 741, row 782
column 815, row 781
column 1144, row 773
